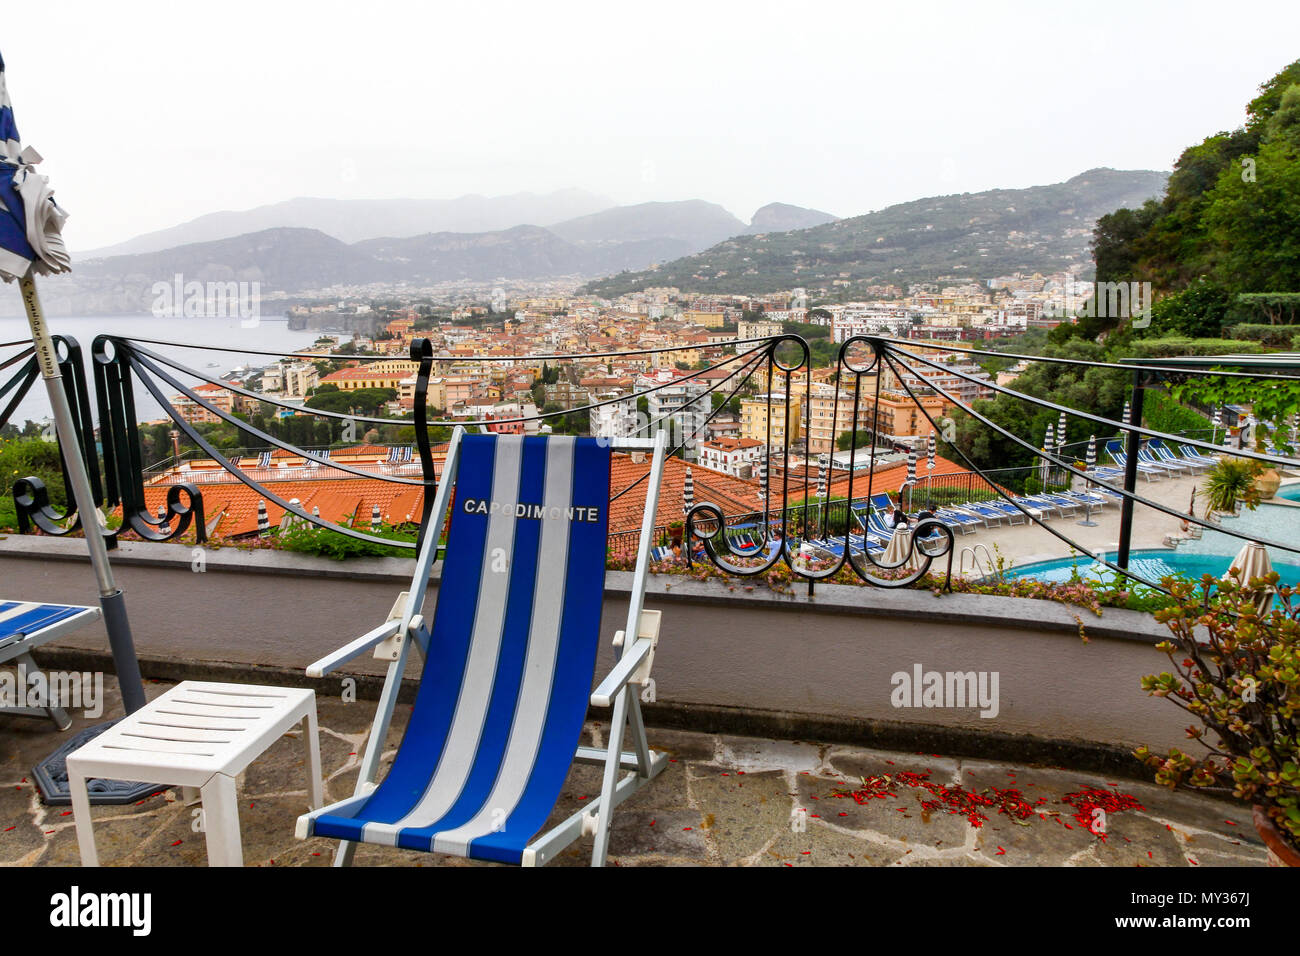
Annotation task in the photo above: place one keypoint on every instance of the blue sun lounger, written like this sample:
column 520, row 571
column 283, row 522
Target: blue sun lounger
column 510, row 657
column 986, row 515
column 1166, row 454
column 1009, row 511
column 1116, row 452
column 1191, row 454
column 25, row 626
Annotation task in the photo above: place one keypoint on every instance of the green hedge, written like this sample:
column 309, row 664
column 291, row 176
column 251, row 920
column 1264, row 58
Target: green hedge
column 1161, row 413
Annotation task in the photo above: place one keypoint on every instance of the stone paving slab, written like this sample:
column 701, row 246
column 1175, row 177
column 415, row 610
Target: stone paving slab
column 722, row 801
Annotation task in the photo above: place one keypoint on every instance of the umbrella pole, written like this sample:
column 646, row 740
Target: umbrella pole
column 111, row 600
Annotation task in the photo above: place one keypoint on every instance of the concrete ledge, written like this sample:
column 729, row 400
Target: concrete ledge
column 901, row 604
column 786, row 664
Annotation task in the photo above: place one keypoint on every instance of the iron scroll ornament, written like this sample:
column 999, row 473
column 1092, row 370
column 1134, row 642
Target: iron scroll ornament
column 32, row 499
column 706, row 522
column 123, row 464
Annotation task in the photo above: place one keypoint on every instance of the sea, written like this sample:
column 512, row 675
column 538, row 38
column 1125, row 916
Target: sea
column 200, row 344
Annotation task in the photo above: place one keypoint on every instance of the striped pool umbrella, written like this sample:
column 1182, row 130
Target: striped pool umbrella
column 821, row 476
column 1060, row 435
column 911, row 474
column 762, row 477
column 374, row 517
column 1128, row 412
column 688, row 491
column 929, row 468
column 1091, row 463
column 263, row 519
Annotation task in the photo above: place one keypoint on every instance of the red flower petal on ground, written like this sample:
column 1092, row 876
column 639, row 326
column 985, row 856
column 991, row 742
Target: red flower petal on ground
column 177, row 843
column 1001, row 852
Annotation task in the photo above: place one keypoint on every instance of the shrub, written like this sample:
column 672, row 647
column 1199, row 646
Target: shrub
column 1242, row 683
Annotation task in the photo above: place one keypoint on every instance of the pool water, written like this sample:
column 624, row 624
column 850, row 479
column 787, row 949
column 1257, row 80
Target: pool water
column 1212, row 554
column 1290, row 492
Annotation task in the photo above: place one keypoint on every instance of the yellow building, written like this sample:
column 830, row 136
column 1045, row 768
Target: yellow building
column 710, row 320
column 386, row 373
column 754, row 414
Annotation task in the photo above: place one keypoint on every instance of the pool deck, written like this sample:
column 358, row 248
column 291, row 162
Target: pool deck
column 723, row 801
column 1028, row 543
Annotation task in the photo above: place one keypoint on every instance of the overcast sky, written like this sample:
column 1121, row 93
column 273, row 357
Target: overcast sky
column 153, row 113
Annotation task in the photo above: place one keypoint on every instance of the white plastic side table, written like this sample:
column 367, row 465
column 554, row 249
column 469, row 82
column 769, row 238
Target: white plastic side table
column 196, row 735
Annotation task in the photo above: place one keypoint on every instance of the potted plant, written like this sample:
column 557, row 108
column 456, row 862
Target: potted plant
column 1229, row 482
column 675, row 533
column 1237, row 671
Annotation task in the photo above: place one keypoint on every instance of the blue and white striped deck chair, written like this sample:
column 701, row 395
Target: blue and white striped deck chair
column 509, row 663
column 264, row 460
column 24, row 626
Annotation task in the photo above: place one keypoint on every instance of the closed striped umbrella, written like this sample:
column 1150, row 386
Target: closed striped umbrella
column 688, row 491
column 930, row 450
column 910, row 483
column 263, row 519
column 762, row 476
column 1092, row 453
column 1060, row 434
column 1128, row 413
column 374, row 517
column 1050, row 440
column 821, row 476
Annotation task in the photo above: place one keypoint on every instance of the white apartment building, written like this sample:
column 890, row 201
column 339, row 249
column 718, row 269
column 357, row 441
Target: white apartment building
column 616, row 420
column 679, row 403
column 737, row 457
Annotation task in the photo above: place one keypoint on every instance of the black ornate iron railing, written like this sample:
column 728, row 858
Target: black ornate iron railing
column 803, row 504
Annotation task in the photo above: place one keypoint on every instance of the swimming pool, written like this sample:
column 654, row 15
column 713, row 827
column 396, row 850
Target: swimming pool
column 1151, row 565
column 1290, row 492
column 1212, row 554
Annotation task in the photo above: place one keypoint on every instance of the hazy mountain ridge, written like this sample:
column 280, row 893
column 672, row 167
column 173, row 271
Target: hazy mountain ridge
column 783, row 217
column 1042, row 228
column 354, row 220
column 1038, row 229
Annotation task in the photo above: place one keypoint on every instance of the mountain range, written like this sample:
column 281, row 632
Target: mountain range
column 971, row 235
column 691, row 244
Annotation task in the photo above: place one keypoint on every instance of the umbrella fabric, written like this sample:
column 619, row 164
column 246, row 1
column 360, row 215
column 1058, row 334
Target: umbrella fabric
column 1050, row 440
column 1128, row 412
column 911, row 466
column 762, row 477
column 1253, row 562
column 30, row 220
column 688, row 491
column 821, row 476
column 1091, row 461
column 1060, row 434
column 930, row 453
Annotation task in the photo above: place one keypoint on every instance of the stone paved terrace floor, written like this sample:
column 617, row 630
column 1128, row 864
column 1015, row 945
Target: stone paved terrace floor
column 723, row 801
